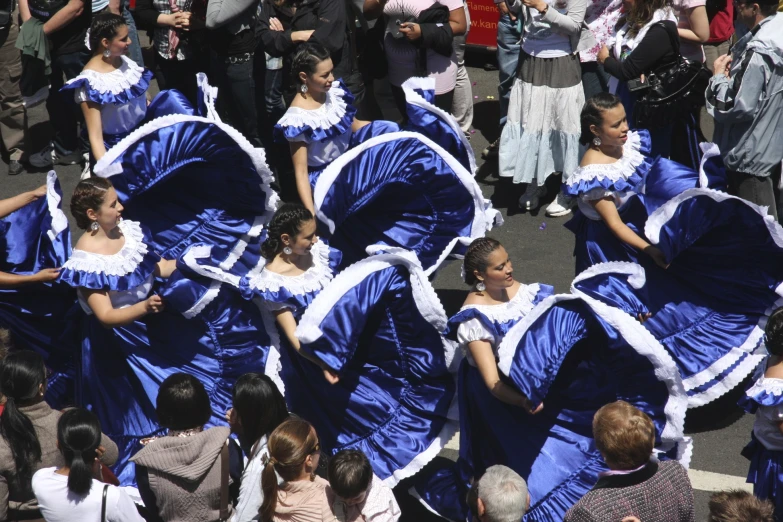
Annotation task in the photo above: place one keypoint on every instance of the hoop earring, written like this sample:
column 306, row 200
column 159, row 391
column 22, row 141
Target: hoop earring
column 287, row 251
column 597, row 141
column 94, row 226
column 106, row 53
column 480, row 286
column 303, row 88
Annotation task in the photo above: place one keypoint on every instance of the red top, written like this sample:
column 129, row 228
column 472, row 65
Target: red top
column 721, row 15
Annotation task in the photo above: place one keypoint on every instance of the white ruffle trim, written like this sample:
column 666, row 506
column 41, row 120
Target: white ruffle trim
column 484, row 216
column 313, row 279
column 116, row 81
column 414, row 98
column 518, row 306
column 53, row 201
column 324, row 117
column 210, row 95
column 122, row 263
column 766, row 384
column 422, row 459
column 273, row 365
column 623, row 168
column 709, row 151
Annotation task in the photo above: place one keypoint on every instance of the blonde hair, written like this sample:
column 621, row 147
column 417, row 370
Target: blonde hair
column 624, row 435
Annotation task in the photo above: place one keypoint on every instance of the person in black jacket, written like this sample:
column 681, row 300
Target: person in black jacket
column 644, row 43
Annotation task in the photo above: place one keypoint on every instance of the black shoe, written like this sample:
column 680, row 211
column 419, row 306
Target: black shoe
column 15, row 167
column 492, row 150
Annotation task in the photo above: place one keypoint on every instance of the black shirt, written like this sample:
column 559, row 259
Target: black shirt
column 655, row 50
column 69, row 39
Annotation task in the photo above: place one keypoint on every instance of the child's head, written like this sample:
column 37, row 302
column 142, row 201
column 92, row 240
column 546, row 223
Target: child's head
column 774, row 332
column 350, row 475
column 739, row 506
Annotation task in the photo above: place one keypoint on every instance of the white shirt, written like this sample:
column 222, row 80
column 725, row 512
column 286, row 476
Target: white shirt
column 57, row 504
column 250, row 494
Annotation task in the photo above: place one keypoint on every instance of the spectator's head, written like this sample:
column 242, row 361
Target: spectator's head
column 109, row 35
column 183, row 403
column 258, row 407
column 350, row 475
column 23, row 382
column 739, row 506
column 603, row 122
column 500, row 495
column 750, row 13
column 292, row 228
column 311, row 68
column 6, row 343
column 624, row 435
column 294, row 453
column 78, row 437
column 95, row 205
column 487, row 263
column 774, row 332
column 639, row 12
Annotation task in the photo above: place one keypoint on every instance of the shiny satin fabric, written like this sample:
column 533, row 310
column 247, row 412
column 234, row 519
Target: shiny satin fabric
column 766, row 474
column 106, row 98
column 394, row 393
column 37, row 314
column 399, row 192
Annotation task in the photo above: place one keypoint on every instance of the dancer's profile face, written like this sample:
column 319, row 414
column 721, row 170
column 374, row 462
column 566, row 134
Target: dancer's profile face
column 321, row 79
column 121, row 42
column 110, row 212
column 305, row 239
column 500, row 272
column 613, row 130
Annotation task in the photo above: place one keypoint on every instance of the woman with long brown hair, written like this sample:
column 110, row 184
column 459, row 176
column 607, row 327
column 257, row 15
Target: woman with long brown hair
column 292, row 490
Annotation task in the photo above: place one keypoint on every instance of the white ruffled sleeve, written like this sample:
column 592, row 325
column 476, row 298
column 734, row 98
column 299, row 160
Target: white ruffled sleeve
column 595, row 194
column 474, row 330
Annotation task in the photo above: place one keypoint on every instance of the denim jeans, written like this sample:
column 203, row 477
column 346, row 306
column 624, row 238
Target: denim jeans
column 134, row 52
column 64, row 115
column 594, row 79
column 237, row 102
column 509, row 43
column 756, row 189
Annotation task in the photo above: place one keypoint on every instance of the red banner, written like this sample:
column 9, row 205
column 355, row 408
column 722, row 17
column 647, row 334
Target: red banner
column 483, row 23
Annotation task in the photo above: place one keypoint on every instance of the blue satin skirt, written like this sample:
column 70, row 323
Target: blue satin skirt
column 766, row 474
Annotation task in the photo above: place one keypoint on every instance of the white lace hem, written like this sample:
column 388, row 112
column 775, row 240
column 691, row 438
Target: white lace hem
column 122, row 263
column 769, row 385
column 324, row 117
column 53, row 201
column 516, row 307
column 114, row 82
column 313, row 279
column 622, row 169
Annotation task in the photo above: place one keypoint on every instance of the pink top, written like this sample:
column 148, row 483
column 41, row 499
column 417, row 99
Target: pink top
column 401, row 54
column 303, row 501
column 690, row 50
column 379, row 505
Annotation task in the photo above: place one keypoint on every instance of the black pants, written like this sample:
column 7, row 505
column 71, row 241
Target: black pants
column 756, row 189
column 65, row 115
column 236, row 102
column 442, row 101
column 180, row 75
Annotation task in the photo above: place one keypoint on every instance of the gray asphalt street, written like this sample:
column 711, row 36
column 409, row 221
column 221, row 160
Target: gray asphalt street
column 541, row 250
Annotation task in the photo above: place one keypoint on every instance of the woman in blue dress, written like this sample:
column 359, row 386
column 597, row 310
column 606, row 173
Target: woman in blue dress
column 712, row 261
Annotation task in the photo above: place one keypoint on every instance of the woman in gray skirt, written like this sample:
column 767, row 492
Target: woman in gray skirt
column 541, row 136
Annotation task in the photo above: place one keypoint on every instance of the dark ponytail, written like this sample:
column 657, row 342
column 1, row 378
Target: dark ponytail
column 287, row 220
column 21, row 375
column 773, row 333
column 79, row 435
column 593, row 114
column 105, row 25
column 476, row 257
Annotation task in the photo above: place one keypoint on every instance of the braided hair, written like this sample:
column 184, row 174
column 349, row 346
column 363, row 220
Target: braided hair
column 476, row 257
column 287, row 220
column 593, row 114
column 105, row 25
column 88, row 194
column 306, row 59
column 774, row 332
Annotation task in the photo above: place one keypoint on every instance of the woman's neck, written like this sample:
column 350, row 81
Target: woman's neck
column 114, row 61
column 612, row 152
column 498, row 294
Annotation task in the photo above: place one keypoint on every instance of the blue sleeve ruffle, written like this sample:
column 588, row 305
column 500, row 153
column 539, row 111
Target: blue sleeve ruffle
column 101, row 281
column 761, row 394
column 466, row 315
column 109, row 98
column 320, row 131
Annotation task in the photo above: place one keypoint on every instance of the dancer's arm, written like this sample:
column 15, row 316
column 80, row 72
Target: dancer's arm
column 608, row 212
column 165, row 268
column 299, row 157
column 287, row 323
column 100, row 304
column 92, row 116
column 358, row 124
column 488, row 368
column 8, row 280
column 9, row 205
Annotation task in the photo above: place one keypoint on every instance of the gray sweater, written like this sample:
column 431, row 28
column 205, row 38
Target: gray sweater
column 572, row 24
column 44, row 419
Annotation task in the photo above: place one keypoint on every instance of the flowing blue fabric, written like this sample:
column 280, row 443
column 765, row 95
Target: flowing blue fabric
column 106, row 98
column 725, row 270
column 395, row 390
column 766, row 474
column 397, row 190
column 33, row 238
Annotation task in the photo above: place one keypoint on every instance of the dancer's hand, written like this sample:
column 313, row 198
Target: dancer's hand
column 46, row 275
column 331, row 376
column 657, row 256
column 412, row 31
column 38, row 193
column 154, row 304
column 643, row 317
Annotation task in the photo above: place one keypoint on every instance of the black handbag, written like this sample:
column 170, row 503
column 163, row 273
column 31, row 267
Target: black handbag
column 675, row 91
